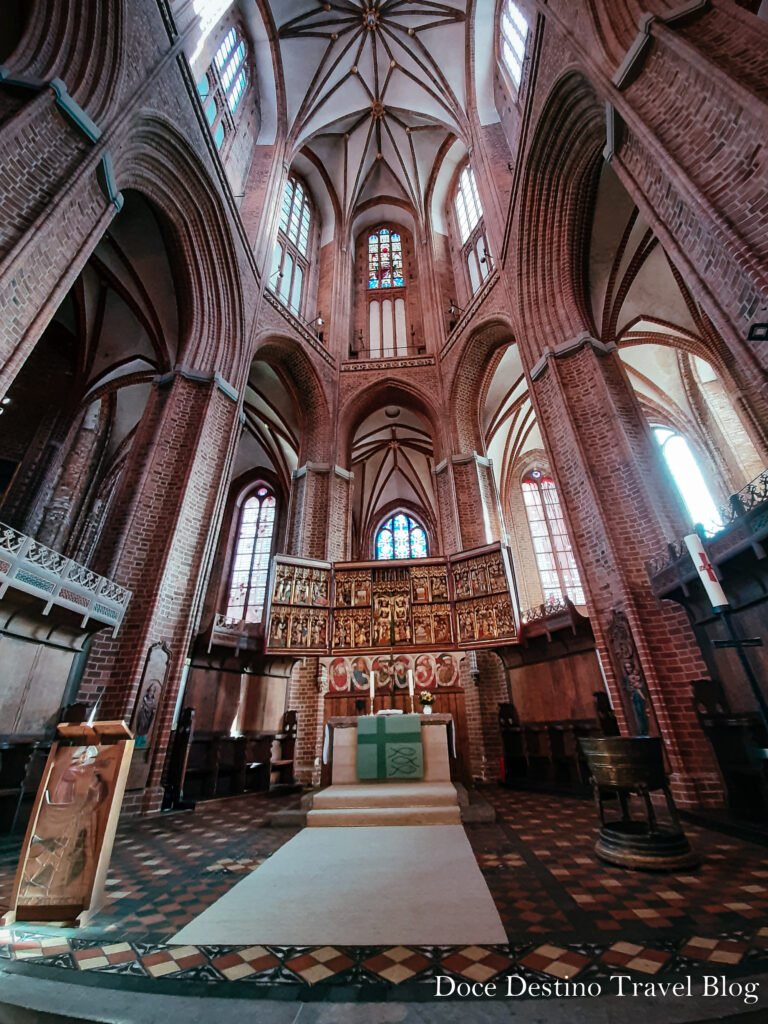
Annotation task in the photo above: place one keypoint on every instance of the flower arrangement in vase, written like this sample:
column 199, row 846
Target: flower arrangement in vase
column 426, row 699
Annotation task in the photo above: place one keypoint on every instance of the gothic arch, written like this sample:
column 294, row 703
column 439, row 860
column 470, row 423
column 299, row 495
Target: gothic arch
column 474, row 371
column 52, row 46
column 159, row 163
column 556, row 204
column 290, row 361
column 388, row 391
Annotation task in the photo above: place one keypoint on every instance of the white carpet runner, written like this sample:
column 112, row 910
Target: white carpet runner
column 358, row 886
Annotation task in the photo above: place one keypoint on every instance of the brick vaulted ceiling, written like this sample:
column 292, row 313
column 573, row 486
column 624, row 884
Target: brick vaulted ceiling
column 373, row 89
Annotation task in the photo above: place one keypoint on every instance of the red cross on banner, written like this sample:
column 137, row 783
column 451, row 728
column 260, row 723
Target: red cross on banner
column 706, row 570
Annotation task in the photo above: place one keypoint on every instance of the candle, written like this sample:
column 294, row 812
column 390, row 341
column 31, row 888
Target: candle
column 373, row 686
column 410, row 682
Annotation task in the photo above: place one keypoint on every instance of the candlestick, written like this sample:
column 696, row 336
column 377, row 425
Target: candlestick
column 410, row 687
column 373, row 689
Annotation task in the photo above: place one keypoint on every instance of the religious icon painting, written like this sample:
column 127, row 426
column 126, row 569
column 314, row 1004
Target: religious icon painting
column 299, row 632
column 441, row 625
column 343, row 630
column 402, row 664
column 64, row 848
column 319, row 631
column 479, row 579
column 422, row 627
column 384, row 669
column 447, row 671
column 361, row 596
column 360, row 677
column 425, row 672
column 278, row 628
column 466, row 625
column 439, row 585
column 320, row 589
column 339, row 676
column 147, row 704
column 420, row 588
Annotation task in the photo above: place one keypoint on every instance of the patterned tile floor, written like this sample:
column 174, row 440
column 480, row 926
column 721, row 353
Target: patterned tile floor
column 567, row 915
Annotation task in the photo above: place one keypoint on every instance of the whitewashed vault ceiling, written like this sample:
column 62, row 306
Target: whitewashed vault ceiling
column 374, row 88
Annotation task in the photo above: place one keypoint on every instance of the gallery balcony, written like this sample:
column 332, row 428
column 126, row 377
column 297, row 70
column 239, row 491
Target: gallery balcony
column 32, row 569
column 235, row 633
column 743, row 535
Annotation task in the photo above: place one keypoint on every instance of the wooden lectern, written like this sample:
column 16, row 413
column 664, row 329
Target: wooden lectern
column 64, row 860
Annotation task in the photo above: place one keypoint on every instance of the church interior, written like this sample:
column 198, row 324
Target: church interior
column 383, row 509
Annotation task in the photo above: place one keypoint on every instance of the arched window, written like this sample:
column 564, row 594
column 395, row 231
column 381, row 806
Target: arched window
column 474, row 244
column 385, row 259
column 290, row 259
column 387, row 334
column 514, row 35
column 688, row 478
column 468, row 208
column 223, row 85
column 554, row 554
column 248, row 586
column 401, row 537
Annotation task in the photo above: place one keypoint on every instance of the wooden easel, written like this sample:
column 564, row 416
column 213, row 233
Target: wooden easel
column 106, row 796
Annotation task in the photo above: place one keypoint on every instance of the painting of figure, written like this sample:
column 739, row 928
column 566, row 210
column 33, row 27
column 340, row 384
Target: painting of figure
column 64, row 848
column 339, row 674
column 360, row 677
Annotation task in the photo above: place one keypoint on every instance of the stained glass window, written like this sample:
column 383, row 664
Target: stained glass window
column 514, row 33
column 385, row 260
column 554, row 554
column 248, row 589
column 401, row 537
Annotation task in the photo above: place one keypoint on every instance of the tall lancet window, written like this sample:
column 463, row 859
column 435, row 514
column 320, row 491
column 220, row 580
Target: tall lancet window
column 387, row 335
column 401, row 537
column 554, row 554
column 290, row 260
column 474, row 244
column 223, row 85
column 514, row 35
column 248, row 588
column 689, row 479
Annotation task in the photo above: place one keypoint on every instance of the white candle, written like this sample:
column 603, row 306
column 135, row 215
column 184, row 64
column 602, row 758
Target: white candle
column 410, row 682
column 373, row 686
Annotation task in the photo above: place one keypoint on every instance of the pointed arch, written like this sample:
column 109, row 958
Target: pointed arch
column 157, row 161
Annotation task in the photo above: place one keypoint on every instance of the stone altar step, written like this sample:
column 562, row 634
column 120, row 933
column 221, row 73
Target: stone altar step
column 351, row 817
column 385, row 803
column 386, row 794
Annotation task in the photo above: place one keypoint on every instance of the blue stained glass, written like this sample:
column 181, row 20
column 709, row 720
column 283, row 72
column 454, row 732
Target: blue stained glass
column 418, row 543
column 398, row 282
column 384, row 544
column 401, row 537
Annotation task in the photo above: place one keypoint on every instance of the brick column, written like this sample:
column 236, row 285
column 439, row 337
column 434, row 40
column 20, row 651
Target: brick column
column 158, row 543
column 52, row 214
column 341, row 483
column 308, row 510
column 477, row 502
column 621, row 509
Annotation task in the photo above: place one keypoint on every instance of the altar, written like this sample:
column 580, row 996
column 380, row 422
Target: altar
column 356, row 799
column 340, row 748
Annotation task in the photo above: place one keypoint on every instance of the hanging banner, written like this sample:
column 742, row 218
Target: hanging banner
column 706, row 570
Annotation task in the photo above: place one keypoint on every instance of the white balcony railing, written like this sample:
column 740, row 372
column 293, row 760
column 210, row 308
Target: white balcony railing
column 35, row 569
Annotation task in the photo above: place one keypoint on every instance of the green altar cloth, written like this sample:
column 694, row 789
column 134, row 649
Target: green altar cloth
column 389, row 747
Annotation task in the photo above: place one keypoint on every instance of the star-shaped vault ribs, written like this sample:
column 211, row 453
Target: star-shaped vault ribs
column 362, row 72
